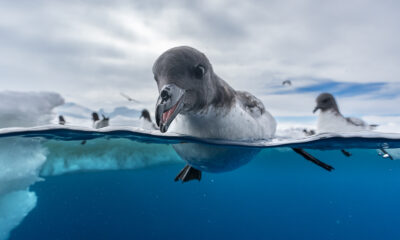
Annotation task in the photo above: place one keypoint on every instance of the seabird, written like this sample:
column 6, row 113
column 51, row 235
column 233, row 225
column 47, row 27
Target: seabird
column 129, row 98
column 61, row 120
column 146, row 122
column 194, row 101
column 287, row 82
column 331, row 120
column 99, row 123
column 308, row 132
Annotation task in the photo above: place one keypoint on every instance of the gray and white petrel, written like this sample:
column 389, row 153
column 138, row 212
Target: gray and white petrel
column 100, row 123
column 331, row 120
column 61, row 120
column 195, row 101
column 146, row 122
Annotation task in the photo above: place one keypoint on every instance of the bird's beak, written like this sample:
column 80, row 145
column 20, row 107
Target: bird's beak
column 169, row 104
column 316, row 108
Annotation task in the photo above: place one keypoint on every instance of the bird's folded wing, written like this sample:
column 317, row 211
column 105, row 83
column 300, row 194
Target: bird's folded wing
column 356, row 121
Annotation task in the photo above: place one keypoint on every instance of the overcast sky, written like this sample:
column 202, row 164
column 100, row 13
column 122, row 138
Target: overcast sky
column 90, row 51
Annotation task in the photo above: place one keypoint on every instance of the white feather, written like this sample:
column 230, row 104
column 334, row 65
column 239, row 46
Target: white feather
column 145, row 124
column 234, row 124
column 330, row 121
column 100, row 123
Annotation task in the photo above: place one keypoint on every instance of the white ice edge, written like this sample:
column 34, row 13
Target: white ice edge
column 277, row 141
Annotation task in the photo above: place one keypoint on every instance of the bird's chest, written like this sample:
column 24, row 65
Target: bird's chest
column 331, row 122
column 146, row 125
column 218, row 124
column 100, row 124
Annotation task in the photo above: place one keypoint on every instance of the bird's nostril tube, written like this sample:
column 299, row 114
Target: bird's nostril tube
column 164, row 95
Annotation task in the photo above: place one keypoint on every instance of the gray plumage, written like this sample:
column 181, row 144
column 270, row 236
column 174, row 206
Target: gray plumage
column 287, row 82
column 61, row 120
column 97, row 123
column 205, row 88
column 327, row 102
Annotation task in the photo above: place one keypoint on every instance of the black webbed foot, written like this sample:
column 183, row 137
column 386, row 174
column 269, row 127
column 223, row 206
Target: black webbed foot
column 188, row 173
column 346, row 153
column 312, row 159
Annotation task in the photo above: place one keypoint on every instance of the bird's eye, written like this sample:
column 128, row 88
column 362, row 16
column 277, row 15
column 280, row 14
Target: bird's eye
column 325, row 101
column 199, row 71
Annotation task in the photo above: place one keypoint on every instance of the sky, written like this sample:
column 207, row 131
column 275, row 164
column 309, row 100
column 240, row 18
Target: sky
column 90, row 51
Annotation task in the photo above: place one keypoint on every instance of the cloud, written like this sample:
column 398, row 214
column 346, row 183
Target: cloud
column 91, row 51
column 313, row 85
column 27, row 109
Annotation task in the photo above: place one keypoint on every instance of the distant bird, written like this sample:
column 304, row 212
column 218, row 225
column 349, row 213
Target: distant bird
column 61, row 120
column 308, row 132
column 331, row 120
column 146, row 122
column 129, row 98
column 287, row 82
column 97, row 123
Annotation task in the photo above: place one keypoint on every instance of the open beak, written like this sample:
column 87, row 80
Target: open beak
column 169, row 104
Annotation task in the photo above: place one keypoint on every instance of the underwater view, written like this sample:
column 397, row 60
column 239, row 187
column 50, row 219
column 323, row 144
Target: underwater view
column 120, row 184
column 214, row 119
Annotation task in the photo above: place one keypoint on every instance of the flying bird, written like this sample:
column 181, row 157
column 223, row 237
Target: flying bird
column 129, row 98
column 287, row 82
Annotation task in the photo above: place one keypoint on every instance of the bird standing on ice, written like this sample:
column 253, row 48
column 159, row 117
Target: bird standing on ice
column 99, row 123
column 146, row 122
column 194, row 101
column 331, row 120
column 61, row 120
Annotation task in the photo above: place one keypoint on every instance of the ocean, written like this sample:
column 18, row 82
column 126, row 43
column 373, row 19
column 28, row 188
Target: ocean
column 277, row 195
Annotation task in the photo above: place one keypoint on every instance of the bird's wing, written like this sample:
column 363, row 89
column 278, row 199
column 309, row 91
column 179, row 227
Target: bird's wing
column 288, row 82
column 129, row 98
column 251, row 104
column 356, row 121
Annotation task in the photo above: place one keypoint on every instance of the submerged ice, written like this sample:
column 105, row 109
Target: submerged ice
column 25, row 160
column 20, row 162
column 21, row 159
column 103, row 154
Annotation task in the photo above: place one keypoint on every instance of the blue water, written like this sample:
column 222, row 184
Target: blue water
column 118, row 186
column 276, row 196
